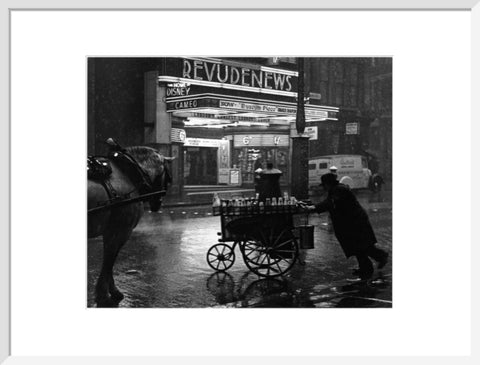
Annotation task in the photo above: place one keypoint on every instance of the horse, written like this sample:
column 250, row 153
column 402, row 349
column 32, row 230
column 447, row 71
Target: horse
column 116, row 222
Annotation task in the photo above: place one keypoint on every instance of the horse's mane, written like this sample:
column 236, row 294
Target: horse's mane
column 149, row 158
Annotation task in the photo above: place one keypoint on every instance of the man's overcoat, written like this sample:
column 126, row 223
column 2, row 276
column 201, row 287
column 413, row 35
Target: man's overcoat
column 350, row 221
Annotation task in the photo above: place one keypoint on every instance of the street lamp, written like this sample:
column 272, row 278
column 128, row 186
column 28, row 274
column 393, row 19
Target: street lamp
column 299, row 175
column 300, row 117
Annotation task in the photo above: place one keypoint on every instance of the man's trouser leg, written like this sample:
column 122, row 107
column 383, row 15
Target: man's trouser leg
column 378, row 255
column 365, row 267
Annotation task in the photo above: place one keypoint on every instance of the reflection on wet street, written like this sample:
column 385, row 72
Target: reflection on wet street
column 164, row 265
column 284, row 294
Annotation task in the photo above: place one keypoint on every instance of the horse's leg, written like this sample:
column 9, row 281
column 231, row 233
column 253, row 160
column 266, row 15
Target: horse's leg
column 107, row 294
column 114, row 292
column 103, row 297
column 134, row 213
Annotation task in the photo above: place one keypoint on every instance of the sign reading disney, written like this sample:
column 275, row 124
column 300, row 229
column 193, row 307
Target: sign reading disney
column 238, row 74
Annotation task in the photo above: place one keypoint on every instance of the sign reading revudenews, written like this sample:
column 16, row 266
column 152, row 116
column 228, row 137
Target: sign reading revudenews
column 225, row 73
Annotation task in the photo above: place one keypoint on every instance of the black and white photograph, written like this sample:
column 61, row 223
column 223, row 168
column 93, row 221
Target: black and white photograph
column 239, row 182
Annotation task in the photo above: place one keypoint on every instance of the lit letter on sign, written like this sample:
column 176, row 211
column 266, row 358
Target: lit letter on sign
column 187, row 68
column 289, row 87
column 268, row 76
column 209, row 72
column 226, row 74
column 279, row 80
column 182, row 136
column 197, row 65
column 237, row 76
column 245, row 73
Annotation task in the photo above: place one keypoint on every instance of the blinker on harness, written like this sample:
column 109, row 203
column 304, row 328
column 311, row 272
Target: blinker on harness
column 99, row 169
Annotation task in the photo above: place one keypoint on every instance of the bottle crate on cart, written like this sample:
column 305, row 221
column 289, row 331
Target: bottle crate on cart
column 248, row 206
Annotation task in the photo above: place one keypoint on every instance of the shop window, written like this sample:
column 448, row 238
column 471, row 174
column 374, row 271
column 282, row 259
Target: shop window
column 252, row 158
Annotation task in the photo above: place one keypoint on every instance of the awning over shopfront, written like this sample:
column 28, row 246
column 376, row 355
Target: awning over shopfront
column 218, row 111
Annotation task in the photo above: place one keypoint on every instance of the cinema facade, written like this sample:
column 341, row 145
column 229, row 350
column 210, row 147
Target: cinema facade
column 220, row 118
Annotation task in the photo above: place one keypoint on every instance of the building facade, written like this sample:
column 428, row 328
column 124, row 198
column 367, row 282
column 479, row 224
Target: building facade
column 362, row 89
column 223, row 118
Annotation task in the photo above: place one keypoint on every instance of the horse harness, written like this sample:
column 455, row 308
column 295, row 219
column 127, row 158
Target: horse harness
column 99, row 170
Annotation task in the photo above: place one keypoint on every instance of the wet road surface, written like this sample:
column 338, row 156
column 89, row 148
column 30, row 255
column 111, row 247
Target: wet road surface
column 164, row 265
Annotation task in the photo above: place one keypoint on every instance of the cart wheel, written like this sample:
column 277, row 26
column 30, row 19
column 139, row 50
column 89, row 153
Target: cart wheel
column 270, row 254
column 220, row 257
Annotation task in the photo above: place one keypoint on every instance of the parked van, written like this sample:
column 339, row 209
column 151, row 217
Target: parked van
column 352, row 170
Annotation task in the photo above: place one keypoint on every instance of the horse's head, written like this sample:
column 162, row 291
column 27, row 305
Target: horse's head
column 158, row 169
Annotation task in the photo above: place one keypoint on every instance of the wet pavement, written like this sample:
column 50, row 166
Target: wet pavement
column 164, row 265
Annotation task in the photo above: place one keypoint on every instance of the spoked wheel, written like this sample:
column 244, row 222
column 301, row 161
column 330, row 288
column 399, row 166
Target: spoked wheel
column 220, row 257
column 270, row 254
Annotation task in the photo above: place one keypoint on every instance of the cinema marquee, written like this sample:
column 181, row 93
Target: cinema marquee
column 195, row 73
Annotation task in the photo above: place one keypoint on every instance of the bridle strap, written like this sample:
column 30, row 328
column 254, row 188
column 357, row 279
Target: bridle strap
column 129, row 165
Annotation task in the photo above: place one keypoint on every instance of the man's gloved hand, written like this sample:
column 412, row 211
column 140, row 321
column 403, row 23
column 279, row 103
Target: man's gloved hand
column 306, row 207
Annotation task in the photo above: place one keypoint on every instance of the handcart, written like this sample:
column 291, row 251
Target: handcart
column 268, row 240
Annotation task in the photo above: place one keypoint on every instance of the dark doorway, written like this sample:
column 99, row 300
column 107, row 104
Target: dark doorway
column 200, row 166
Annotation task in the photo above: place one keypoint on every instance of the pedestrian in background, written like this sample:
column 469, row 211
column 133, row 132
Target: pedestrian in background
column 351, row 225
column 257, row 175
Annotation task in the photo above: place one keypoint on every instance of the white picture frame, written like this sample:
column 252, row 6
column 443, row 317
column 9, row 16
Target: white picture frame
column 6, row 204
